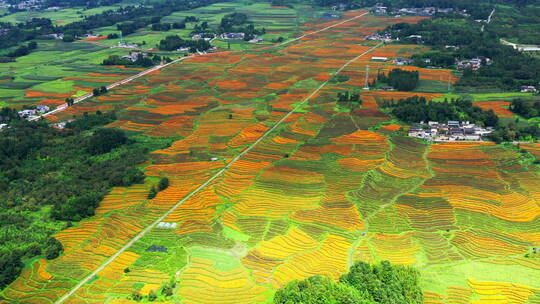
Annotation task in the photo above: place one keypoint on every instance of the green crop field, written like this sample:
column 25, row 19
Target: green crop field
column 60, row 16
column 318, row 186
column 57, row 70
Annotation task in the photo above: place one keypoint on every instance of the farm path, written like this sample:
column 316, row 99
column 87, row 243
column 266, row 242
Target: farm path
column 221, row 171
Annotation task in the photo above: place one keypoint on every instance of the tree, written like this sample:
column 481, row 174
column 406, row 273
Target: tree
column 103, row 90
column 104, row 140
column 163, row 184
column 136, row 296
column 10, row 266
column 152, row 193
column 319, row 289
column 68, row 38
column 53, row 249
column 32, row 45
column 96, row 92
column 152, row 296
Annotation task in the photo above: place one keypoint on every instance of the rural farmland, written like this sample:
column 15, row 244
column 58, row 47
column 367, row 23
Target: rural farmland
column 272, row 178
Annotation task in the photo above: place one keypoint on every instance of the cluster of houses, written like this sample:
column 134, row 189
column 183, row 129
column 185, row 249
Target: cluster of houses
column 28, row 113
column 23, row 5
column 380, row 9
column 474, row 63
column 451, row 131
column 34, row 111
column 386, row 37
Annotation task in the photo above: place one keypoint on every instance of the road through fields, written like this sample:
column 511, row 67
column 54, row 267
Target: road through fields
column 216, row 175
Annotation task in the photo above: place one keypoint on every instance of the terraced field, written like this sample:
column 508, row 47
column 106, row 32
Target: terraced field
column 321, row 190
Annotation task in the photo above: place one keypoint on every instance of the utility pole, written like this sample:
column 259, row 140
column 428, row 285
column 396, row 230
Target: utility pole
column 449, row 86
column 366, row 86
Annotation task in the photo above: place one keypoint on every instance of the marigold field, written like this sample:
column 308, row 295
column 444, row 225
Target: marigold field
column 324, row 189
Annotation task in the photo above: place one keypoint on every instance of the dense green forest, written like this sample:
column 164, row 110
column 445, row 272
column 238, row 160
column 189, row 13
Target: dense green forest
column 400, row 79
column 459, row 38
column 363, row 284
column 51, row 177
column 517, row 24
column 416, row 109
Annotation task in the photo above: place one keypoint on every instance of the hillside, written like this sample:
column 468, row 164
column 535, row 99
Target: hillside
column 272, row 179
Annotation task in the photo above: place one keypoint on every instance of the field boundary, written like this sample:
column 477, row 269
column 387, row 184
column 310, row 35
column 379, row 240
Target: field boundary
column 208, row 181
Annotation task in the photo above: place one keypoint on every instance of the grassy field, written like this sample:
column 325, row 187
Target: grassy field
column 62, row 16
column 278, row 21
column 57, row 70
column 324, row 189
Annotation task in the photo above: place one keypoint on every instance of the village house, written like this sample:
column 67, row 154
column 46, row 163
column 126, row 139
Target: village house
column 329, row 16
column 62, row 124
column 474, row 63
column 127, row 45
column 90, row 35
column 205, row 36
column 233, row 35
column 402, row 61
column 134, row 56
column 58, row 36
column 3, row 126
column 27, row 113
column 379, row 59
column 528, row 89
column 256, row 40
column 42, row 109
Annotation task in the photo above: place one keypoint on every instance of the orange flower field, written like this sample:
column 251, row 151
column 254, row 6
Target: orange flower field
column 271, row 181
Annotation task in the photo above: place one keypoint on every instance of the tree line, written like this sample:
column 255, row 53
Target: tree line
column 416, row 109
column 143, row 61
column 174, row 42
